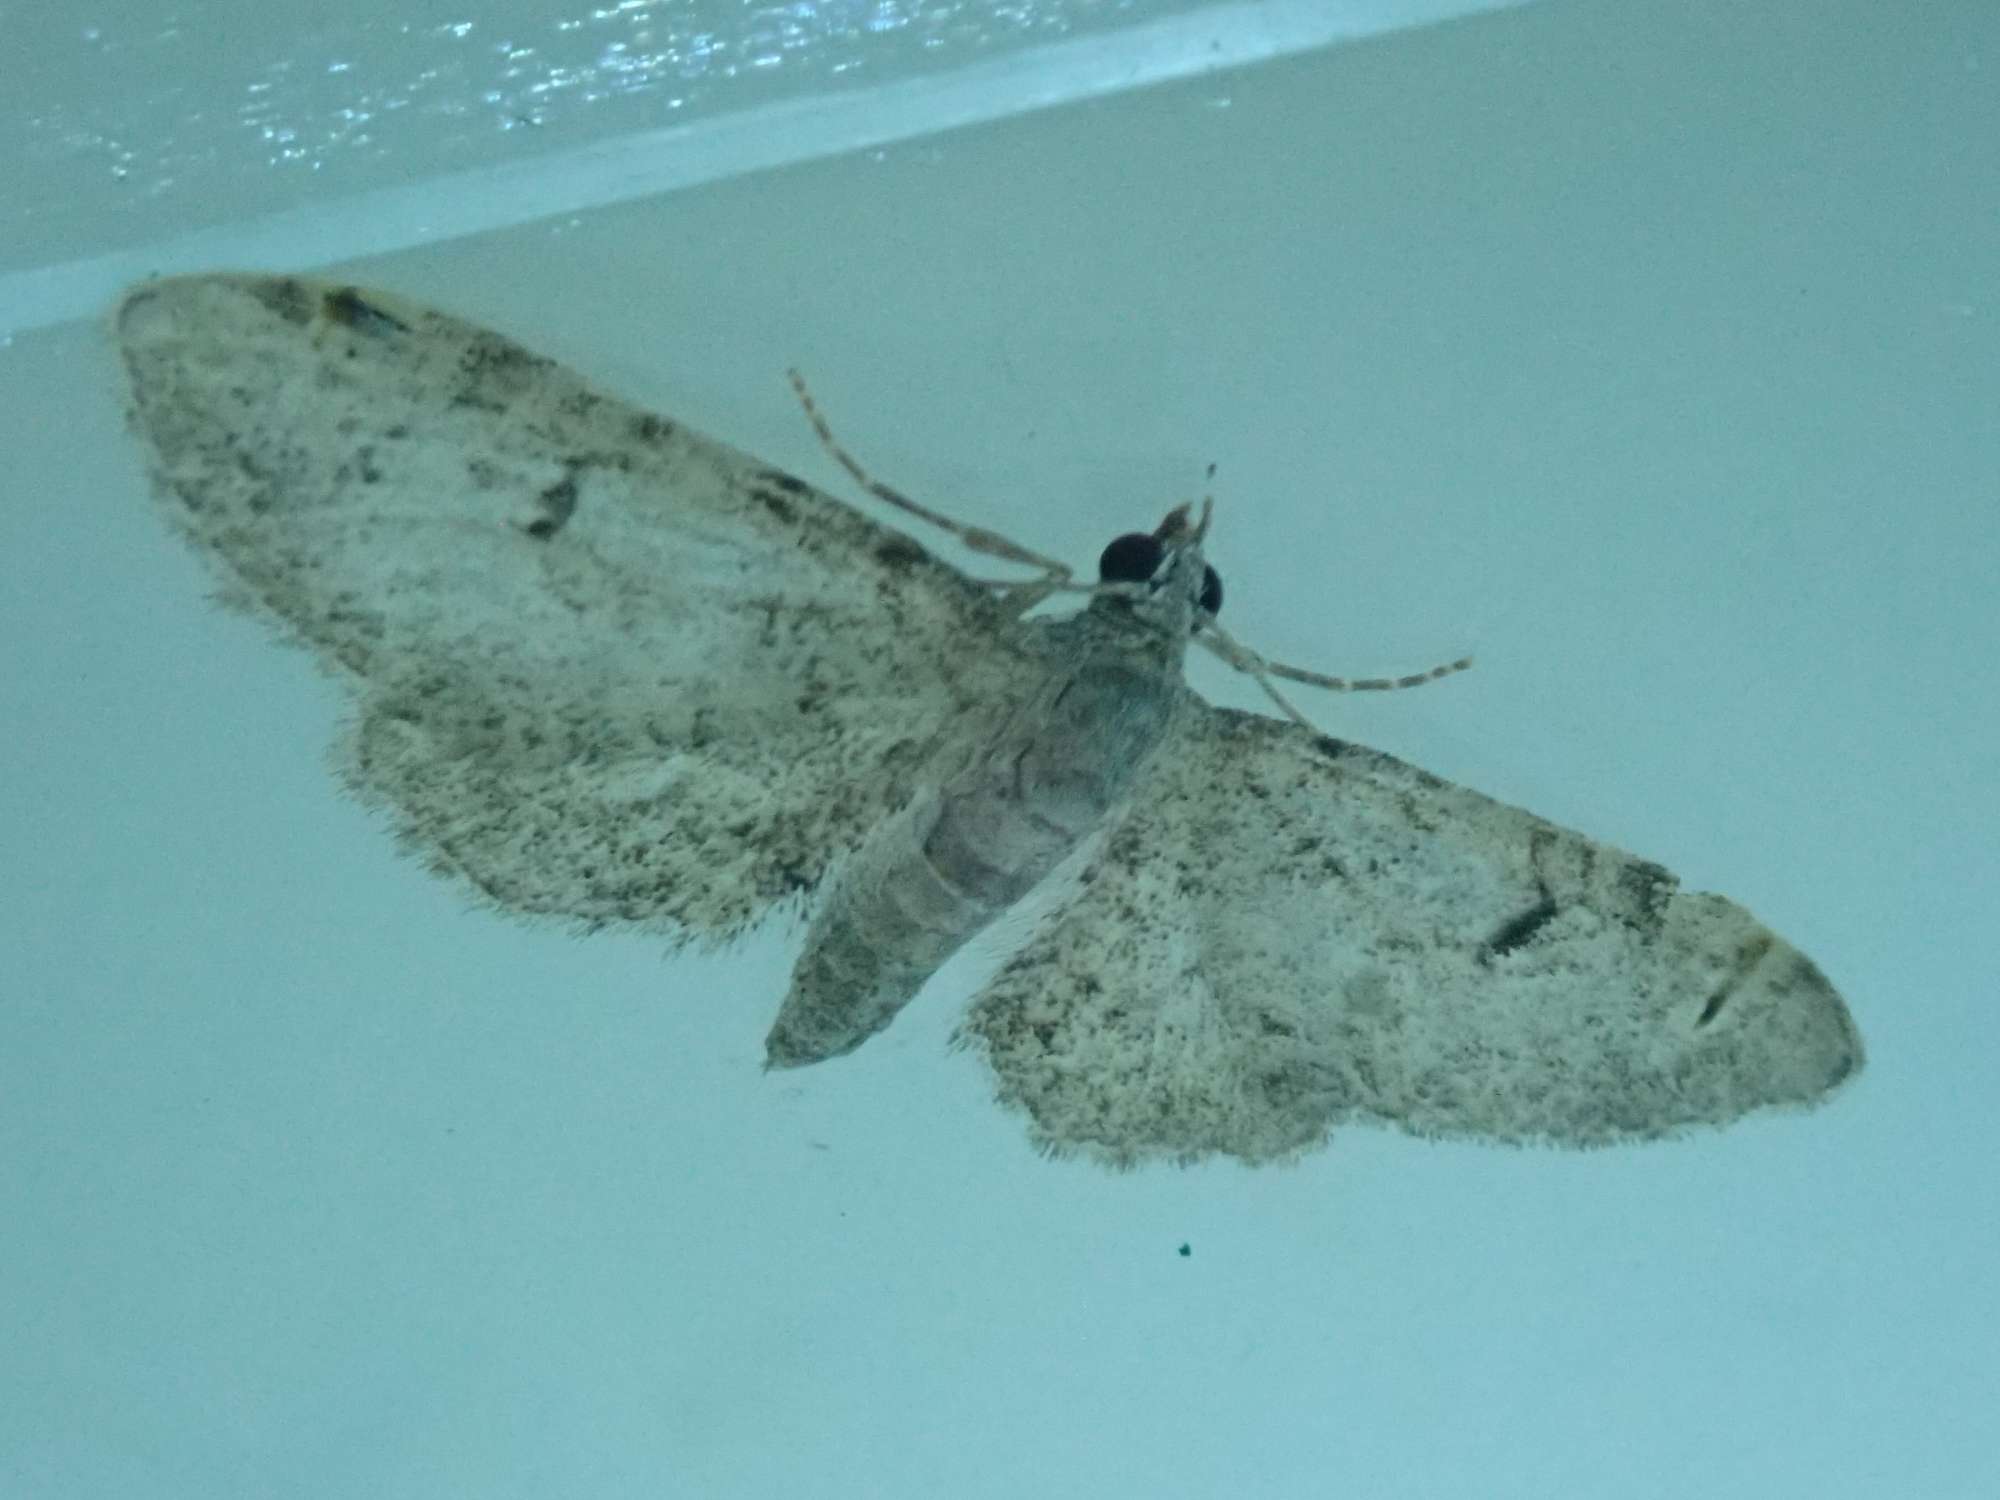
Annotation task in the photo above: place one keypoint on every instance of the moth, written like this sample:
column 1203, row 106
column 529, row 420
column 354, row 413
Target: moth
column 610, row 670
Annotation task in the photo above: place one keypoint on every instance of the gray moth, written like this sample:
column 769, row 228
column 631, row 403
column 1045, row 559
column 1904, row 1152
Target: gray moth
column 610, row 670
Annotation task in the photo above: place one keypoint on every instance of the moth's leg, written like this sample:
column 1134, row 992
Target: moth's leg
column 1241, row 657
column 990, row 543
column 1018, row 596
column 1244, row 659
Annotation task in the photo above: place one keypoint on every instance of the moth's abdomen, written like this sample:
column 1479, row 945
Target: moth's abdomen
column 893, row 916
column 933, row 877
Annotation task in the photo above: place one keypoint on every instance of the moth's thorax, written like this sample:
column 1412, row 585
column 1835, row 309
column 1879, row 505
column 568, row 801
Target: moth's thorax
column 1108, row 700
column 1151, row 634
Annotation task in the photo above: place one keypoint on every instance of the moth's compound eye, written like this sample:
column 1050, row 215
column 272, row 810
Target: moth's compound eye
column 1132, row 558
column 1211, row 591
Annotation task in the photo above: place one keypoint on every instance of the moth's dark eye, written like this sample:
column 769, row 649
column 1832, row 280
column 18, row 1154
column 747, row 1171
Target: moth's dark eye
column 1211, row 590
column 1133, row 558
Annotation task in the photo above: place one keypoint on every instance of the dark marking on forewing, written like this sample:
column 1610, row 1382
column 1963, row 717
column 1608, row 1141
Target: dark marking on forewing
column 362, row 466
column 346, row 306
column 900, row 552
column 776, row 503
column 1648, row 888
column 289, row 299
column 554, row 506
column 1746, row 964
column 1417, row 814
column 648, row 428
column 494, row 372
column 1518, row 931
column 779, row 493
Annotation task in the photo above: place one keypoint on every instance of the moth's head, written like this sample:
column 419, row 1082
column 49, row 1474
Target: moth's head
column 1169, row 582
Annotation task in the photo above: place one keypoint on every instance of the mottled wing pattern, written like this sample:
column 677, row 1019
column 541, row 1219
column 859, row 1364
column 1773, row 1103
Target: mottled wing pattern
column 563, row 614
column 1288, row 931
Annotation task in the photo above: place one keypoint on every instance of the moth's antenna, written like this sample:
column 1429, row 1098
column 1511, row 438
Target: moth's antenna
column 1207, row 511
column 975, row 538
column 1366, row 684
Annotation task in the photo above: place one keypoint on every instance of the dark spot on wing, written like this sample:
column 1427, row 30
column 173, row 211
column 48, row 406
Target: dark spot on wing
column 900, row 552
column 494, row 370
column 346, row 306
column 555, row 505
column 651, row 429
column 361, row 467
column 286, row 296
column 786, row 482
column 1332, row 748
column 581, row 403
column 1519, row 931
column 490, row 354
column 777, row 504
column 1416, row 812
column 1648, row 888
column 1752, row 954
